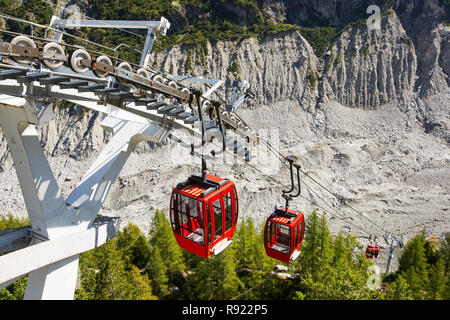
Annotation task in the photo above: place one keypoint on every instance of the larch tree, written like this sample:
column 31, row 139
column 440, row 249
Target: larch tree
column 134, row 246
column 215, row 278
column 438, row 281
column 157, row 272
column 161, row 237
column 413, row 264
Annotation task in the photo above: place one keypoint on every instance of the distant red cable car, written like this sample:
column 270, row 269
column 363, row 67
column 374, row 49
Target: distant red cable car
column 204, row 213
column 373, row 250
column 283, row 234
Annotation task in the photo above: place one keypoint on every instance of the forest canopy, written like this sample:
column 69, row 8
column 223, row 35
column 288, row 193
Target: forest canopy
column 136, row 266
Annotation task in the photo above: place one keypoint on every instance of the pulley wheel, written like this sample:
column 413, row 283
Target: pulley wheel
column 75, row 60
column 143, row 73
column 172, row 84
column 158, row 78
column 53, row 48
column 125, row 66
column 104, row 60
column 24, row 42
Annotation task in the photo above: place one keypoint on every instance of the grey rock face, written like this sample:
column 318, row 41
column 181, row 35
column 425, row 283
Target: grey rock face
column 366, row 68
column 277, row 67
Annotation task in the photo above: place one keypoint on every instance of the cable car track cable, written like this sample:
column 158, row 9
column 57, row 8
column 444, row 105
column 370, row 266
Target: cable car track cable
column 340, row 198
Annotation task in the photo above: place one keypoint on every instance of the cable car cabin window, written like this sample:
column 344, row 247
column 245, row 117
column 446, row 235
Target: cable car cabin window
column 209, row 224
column 300, row 228
column 236, row 206
column 278, row 237
column 283, row 235
column 228, row 210
column 217, row 218
column 296, row 239
column 187, row 218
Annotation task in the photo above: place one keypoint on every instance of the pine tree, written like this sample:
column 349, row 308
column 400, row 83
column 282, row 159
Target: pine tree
column 316, row 250
column 157, row 272
column 444, row 253
column 215, row 278
column 251, row 259
column 137, row 286
column 438, row 281
column 399, row 290
column 308, row 260
column 413, row 264
column 241, row 244
column 255, row 248
column 104, row 276
column 325, row 241
column 161, row 237
column 16, row 290
column 134, row 246
column 431, row 250
column 10, row 221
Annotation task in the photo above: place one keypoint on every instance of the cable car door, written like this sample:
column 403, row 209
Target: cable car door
column 218, row 219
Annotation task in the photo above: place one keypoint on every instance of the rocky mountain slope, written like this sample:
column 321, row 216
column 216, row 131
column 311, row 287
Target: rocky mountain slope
column 370, row 118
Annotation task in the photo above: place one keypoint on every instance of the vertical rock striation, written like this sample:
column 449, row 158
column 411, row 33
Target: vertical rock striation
column 367, row 68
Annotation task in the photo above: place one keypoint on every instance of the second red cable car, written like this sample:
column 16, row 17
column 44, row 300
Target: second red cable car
column 203, row 214
column 284, row 229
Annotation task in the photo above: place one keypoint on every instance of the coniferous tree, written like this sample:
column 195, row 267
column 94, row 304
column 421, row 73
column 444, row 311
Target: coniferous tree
column 330, row 268
column 399, row 290
column 16, row 290
column 161, row 237
column 10, row 221
column 105, row 277
column 316, row 251
column 308, row 260
column 157, row 272
column 444, row 253
column 215, row 278
column 255, row 248
column 325, row 241
column 432, row 250
column 241, row 242
column 438, row 281
column 252, row 262
column 134, row 246
column 343, row 275
column 413, row 264
column 137, row 286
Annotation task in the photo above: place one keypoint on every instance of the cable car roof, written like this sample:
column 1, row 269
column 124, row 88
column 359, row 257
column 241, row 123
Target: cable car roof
column 196, row 186
column 287, row 218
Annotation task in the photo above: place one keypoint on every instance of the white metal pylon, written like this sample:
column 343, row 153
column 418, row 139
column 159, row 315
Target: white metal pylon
column 60, row 229
column 138, row 103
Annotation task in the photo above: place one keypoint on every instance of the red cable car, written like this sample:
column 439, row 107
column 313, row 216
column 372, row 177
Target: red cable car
column 203, row 213
column 283, row 234
column 284, row 229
